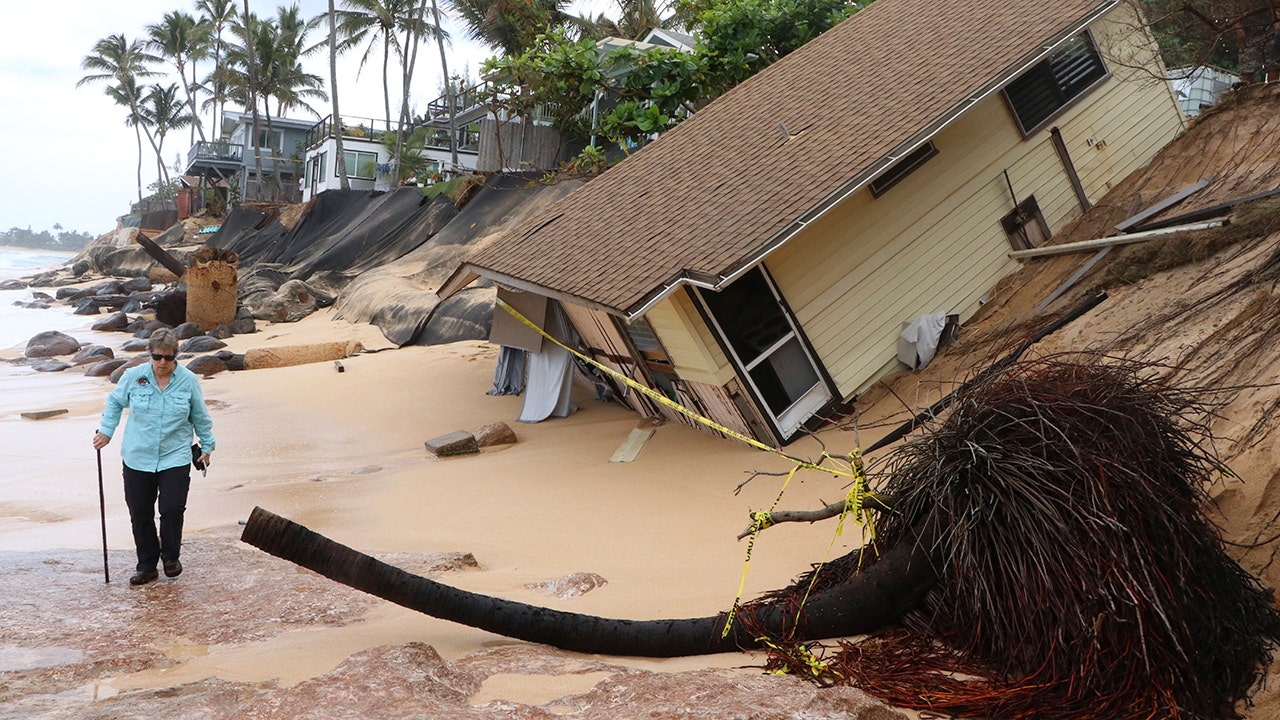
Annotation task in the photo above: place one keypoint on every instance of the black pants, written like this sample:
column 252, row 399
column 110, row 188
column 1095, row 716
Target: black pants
column 141, row 490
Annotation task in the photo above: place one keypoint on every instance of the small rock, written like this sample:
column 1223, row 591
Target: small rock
column 105, row 368
column 570, row 586
column 41, row 296
column 80, row 267
column 12, row 285
column 207, row 365
column 222, row 332
column 92, row 353
column 459, row 442
column 64, row 293
column 32, row 305
column 188, row 330
column 136, row 345
column 114, row 321
column 51, row 343
column 202, row 343
column 138, row 284
column 498, row 433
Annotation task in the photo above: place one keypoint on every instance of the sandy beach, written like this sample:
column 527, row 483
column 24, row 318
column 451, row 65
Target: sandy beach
column 343, row 453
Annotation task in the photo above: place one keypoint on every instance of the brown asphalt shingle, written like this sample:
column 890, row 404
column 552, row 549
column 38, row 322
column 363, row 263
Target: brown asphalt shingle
column 713, row 190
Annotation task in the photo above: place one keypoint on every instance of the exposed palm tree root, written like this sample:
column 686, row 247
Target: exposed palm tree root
column 1080, row 578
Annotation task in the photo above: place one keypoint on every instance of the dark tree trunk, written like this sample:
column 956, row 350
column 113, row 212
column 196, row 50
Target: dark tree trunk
column 876, row 597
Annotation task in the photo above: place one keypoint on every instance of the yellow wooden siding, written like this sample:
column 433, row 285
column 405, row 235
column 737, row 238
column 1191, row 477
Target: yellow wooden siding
column 689, row 343
column 855, row 275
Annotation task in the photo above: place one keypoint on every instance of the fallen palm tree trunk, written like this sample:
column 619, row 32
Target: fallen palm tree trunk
column 878, row 597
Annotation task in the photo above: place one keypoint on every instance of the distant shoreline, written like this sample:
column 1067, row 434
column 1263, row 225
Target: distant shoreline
column 42, row 251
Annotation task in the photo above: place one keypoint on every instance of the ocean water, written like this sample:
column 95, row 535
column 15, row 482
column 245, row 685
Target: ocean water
column 18, row 324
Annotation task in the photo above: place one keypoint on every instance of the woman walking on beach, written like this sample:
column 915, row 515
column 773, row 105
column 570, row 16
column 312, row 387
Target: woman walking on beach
column 165, row 408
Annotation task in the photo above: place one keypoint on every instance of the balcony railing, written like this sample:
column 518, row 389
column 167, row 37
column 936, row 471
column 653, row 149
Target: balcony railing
column 216, row 150
column 351, row 127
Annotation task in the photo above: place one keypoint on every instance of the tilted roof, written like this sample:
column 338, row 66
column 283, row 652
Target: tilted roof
column 712, row 196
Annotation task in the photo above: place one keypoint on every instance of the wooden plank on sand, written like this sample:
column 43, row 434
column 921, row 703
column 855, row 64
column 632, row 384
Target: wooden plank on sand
column 42, row 414
column 631, row 446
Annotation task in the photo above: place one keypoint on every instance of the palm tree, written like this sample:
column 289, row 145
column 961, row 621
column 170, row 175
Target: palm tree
column 180, row 38
column 217, row 15
column 450, row 97
column 373, row 23
column 511, row 26
column 415, row 28
column 340, row 160
column 162, row 111
column 271, row 57
column 122, row 62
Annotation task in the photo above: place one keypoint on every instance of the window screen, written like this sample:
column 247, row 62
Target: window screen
column 1052, row 84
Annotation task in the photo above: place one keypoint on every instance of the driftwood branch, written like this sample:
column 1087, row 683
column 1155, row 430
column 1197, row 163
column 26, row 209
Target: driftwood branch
column 871, row 502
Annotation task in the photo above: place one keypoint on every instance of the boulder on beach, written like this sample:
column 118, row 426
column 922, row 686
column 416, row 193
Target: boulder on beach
column 92, row 353
column 105, row 368
column 136, row 345
column 293, row 301
column 131, row 362
column 207, row 365
column 498, row 433
column 201, row 343
column 50, row 343
column 188, row 330
column 114, row 321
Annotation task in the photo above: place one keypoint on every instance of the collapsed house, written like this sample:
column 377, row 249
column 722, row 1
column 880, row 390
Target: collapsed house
column 758, row 262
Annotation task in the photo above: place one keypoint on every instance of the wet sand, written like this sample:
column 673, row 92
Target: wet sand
column 343, row 453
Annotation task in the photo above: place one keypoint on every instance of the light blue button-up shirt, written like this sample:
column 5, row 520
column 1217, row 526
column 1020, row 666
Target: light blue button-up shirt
column 161, row 422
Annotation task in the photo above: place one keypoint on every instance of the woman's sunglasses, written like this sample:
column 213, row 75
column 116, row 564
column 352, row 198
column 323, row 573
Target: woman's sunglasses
column 159, row 356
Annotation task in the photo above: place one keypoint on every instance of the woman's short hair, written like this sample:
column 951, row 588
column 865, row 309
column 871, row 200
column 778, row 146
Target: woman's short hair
column 162, row 339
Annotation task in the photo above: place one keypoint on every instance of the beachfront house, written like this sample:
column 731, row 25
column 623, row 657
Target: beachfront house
column 229, row 164
column 758, row 262
column 368, row 157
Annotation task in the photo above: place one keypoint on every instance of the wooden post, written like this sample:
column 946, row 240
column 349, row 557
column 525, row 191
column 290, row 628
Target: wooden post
column 161, row 255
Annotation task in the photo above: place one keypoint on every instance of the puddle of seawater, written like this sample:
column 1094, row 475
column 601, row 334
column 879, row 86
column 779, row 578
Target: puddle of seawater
column 20, row 658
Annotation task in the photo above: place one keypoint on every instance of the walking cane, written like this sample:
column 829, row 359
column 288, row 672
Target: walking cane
column 102, row 506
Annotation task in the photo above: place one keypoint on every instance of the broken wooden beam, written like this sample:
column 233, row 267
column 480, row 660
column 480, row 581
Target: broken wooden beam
column 1205, row 212
column 1129, row 222
column 1099, row 243
column 161, row 255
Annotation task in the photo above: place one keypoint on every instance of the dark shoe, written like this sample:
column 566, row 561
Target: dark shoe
column 172, row 568
column 142, row 577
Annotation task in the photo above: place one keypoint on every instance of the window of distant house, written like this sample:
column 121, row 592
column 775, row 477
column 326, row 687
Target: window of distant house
column 1053, row 84
column 273, row 140
column 360, row 165
column 902, row 168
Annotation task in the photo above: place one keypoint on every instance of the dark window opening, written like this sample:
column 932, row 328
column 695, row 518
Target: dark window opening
column 1044, row 90
column 902, row 168
column 752, row 320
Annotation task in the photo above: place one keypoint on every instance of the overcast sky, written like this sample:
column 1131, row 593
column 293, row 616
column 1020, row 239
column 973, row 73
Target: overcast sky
column 72, row 160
